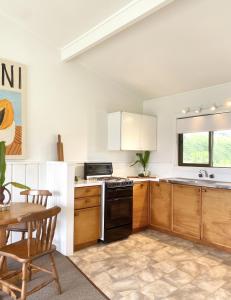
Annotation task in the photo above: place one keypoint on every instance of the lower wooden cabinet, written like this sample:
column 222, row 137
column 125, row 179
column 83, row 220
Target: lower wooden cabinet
column 87, row 226
column 86, row 216
column 160, row 205
column 216, row 216
column 140, row 205
column 187, row 210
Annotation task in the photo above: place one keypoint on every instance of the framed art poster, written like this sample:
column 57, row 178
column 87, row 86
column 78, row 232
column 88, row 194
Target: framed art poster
column 12, row 103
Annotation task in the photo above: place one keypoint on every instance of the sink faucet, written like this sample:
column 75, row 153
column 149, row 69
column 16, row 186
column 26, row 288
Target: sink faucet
column 201, row 173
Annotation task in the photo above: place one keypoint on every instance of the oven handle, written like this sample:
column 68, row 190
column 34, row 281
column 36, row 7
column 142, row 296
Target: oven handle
column 120, row 188
column 121, row 198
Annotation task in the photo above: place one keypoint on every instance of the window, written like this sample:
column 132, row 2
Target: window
column 222, row 148
column 194, row 149
column 205, row 149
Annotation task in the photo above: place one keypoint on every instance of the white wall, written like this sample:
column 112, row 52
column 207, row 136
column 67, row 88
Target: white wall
column 66, row 99
column 164, row 160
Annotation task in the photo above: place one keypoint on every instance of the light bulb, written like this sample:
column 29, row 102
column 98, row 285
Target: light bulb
column 228, row 103
column 197, row 110
column 213, row 107
column 185, row 110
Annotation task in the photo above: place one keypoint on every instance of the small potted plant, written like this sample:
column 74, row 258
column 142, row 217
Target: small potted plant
column 143, row 159
column 4, row 184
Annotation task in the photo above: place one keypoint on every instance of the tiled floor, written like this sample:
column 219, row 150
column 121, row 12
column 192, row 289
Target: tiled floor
column 153, row 265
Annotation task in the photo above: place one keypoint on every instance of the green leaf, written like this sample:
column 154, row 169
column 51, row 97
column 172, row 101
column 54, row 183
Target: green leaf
column 18, row 185
column 136, row 162
column 141, row 159
column 146, row 158
column 2, row 163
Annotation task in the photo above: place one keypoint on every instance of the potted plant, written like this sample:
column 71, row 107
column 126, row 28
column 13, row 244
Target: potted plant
column 143, row 159
column 4, row 184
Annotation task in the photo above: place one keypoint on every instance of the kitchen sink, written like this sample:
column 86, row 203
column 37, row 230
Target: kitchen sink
column 199, row 182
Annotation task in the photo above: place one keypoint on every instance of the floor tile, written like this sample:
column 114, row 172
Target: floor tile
column 151, row 265
column 159, row 288
column 178, row 278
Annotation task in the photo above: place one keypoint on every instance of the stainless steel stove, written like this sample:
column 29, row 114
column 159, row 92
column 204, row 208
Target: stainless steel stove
column 116, row 208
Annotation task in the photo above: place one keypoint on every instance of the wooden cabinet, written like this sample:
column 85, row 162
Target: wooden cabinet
column 129, row 131
column 87, row 226
column 160, row 204
column 187, row 210
column 86, row 216
column 140, row 205
column 216, row 216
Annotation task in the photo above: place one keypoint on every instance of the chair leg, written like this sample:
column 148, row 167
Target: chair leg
column 7, row 236
column 29, row 272
column 23, row 235
column 2, row 263
column 55, row 273
column 24, row 281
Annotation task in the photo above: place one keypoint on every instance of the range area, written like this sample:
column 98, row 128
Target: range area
column 116, row 201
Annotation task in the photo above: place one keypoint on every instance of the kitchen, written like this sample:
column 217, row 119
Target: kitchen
column 165, row 94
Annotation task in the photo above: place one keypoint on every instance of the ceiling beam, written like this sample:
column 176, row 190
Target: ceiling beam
column 135, row 11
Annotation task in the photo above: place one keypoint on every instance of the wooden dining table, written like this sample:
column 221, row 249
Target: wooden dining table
column 16, row 210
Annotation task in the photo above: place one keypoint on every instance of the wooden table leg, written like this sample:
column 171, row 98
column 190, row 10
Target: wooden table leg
column 3, row 266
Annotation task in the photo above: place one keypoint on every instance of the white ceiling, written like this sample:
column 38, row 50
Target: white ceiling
column 60, row 21
column 181, row 47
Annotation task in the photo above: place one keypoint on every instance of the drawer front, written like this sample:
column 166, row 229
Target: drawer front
column 87, row 191
column 87, row 202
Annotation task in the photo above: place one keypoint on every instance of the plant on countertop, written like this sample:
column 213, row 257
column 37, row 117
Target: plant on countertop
column 3, row 174
column 143, row 159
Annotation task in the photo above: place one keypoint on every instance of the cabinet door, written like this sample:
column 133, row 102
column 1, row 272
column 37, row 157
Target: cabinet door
column 148, row 133
column 87, row 226
column 160, row 204
column 187, row 210
column 216, row 216
column 130, row 131
column 140, row 205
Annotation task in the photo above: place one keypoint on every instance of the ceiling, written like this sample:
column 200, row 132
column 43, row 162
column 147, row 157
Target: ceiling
column 181, row 47
column 60, row 21
column 184, row 46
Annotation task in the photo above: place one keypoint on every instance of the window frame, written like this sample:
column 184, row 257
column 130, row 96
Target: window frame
column 180, row 153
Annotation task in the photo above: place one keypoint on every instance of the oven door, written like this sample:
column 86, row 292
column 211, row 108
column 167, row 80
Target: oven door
column 118, row 212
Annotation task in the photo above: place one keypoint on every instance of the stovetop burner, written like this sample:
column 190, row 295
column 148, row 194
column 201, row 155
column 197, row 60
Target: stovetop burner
column 109, row 178
column 112, row 181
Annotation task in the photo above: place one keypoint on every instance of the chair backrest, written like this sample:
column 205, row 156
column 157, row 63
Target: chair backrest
column 37, row 196
column 43, row 224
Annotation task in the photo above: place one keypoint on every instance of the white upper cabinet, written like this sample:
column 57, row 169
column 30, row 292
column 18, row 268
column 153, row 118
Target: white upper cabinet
column 148, row 132
column 128, row 131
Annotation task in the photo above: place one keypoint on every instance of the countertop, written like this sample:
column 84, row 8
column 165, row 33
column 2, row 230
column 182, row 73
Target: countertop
column 211, row 183
column 82, row 183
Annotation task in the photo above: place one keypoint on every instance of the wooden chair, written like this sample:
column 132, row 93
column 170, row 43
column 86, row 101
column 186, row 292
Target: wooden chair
column 32, row 196
column 25, row 251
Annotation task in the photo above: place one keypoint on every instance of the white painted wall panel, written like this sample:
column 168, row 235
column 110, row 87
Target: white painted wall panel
column 32, row 176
